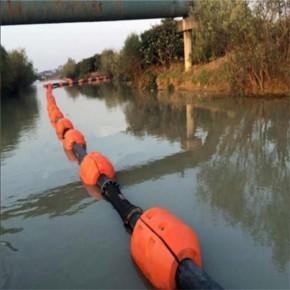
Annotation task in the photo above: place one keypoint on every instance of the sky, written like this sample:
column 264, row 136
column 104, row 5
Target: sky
column 50, row 45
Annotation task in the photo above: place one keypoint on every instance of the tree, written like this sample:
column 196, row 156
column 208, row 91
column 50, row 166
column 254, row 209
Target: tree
column 261, row 46
column 69, row 70
column 130, row 58
column 109, row 63
column 17, row 71
column 162, row 44
column 255, row 36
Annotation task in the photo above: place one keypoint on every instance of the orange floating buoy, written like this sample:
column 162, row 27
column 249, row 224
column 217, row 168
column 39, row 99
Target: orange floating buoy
column 48, row 87
column 93, row 166
column 50, row 102
column 159, row 242
column 55, row 115
column 71, row 137
column 62, row 126
column 51, row 99
column 51, row 107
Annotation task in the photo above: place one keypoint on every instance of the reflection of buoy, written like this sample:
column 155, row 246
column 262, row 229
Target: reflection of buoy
column 93, row 191
column 70, row 155
column 164, row 248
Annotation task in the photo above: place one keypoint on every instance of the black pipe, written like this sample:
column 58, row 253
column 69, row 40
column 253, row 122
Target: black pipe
column 128, row 212
column 79, row 151
column 190, row 276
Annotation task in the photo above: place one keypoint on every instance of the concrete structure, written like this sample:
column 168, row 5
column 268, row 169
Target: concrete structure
column 185, row 26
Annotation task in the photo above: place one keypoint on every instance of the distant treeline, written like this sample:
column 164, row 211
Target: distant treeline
column 16, row 71
column 254, row 36
column 159, row 45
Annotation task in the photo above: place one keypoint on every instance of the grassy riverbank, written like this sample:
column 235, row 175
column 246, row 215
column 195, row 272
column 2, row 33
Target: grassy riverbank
column 211, row 77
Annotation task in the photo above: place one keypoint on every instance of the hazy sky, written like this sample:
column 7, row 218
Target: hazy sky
column 49, row 45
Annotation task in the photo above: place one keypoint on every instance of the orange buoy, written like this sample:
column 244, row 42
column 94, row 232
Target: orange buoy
column 71, row 137
column 55, row 115
column 51, row 99
column 159, row 242
column 93, row 166
column 48, row 87
column 51, row 108
column 62, row 126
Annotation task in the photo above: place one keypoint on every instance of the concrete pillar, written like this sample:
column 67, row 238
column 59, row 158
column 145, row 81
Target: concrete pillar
column 187, row 40
column 185, row 26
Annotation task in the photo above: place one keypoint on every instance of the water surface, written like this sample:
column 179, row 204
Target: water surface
column 220, row 164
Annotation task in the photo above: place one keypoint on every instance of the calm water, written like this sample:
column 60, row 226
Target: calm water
column 220, row 164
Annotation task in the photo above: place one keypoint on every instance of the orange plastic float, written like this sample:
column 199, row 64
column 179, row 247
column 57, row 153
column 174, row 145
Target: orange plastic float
column 71, row 137
column 159, row 242
column 93, row 166
column 51, row 99
column 51, row 107
column 55, row 115
column 62, row 126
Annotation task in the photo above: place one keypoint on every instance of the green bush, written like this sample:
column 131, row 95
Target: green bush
column 254, row 35
column 204, row 77
column 261, row 47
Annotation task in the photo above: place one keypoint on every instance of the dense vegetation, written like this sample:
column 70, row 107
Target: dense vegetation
column 252, row 36
column 16, row 71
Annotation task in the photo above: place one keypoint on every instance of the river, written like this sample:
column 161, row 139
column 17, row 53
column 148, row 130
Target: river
column 220, row 164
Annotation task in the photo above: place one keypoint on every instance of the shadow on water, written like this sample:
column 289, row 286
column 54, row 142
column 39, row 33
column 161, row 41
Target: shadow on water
column 240, row 147
column 18, row 116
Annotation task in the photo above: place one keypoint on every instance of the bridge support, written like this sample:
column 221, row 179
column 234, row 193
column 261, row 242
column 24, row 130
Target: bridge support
column 187, row 49
column 185, row 26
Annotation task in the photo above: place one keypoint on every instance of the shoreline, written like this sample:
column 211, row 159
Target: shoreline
column 210, row 78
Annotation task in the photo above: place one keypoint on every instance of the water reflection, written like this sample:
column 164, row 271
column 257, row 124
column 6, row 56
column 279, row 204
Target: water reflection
column 18, row 116
column 243, row 158
column 60, row 201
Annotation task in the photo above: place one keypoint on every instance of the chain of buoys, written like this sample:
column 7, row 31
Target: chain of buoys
column 165, row 249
